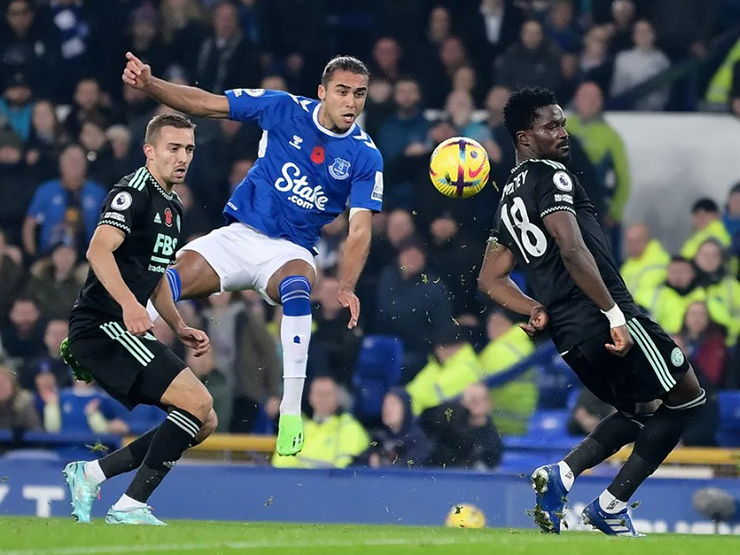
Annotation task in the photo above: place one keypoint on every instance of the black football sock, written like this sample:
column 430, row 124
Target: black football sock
column 612, row 433
column 655, row 441
column 170, row 441
column 127, row 458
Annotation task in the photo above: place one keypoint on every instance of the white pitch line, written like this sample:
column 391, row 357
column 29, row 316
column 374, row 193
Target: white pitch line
column 138, row 548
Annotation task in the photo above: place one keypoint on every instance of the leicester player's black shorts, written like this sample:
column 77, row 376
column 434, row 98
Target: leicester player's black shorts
column 133, row 370
column 649, row 370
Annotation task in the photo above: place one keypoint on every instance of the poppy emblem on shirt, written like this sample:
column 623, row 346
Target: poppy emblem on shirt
column 318, row 154
column 168, row 217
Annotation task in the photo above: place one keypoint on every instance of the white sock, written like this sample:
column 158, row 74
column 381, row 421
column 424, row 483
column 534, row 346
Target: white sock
column 125, row 503
column 295, row 333
column 566, row 475
column 151, row 311
column 610, row 504
column 94, row 473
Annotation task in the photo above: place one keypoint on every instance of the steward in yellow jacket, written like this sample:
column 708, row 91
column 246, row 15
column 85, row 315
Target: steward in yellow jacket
column 647, row 260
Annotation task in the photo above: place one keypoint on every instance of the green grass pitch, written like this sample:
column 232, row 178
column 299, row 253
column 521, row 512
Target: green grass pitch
column 36, row 536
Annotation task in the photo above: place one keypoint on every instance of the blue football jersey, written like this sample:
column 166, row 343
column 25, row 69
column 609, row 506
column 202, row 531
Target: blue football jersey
column 305, row 175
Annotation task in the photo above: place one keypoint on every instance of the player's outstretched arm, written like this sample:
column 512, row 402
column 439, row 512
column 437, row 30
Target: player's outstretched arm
column 494, row 280
column 162, row 300
column 104, row 243
column 581, row 265
column 190, row 100
column 355, row 255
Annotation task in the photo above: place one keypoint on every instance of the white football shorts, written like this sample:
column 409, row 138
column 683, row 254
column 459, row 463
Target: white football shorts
column 245, row 258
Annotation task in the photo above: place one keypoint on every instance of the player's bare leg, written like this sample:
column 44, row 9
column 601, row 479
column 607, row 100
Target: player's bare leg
column 291, row 287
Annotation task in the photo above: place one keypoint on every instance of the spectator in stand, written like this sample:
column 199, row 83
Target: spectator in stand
column 16, row 186
column 226, row 59
column 704, row 342
column 490, row 27
column 453, row 255
column 45, row 139
column 386, row 60
column 50, row 361
column 66, row 209
column 400, row 229
column 195, row 219
column 588, row 411
column 595, row 64
column 607, row 153
column 23, row 332
column 122, row 161
column 438, row 80
column 465, row 79
column 55, row 283
column 217, row 384
column 16, row 105
column 400, row 442
column 688, row 34
column 723, row 290
column 638, row 65
column 403, row 140
column 459, row 110
column 707, row 224
column 334, row 438
column 83, row 408
column 332, row 236
column 144, row 39
column 405, row 132
column 89, row 105
column 623, row 21
column 12, row 274
column 98, row 152
column 734, row 94
column 667, row 303
column 183, row 31
column 499, row 147
column 77, row 36
column 426, row 61
column 464, row 433
column 647, row 260
column 412, row 303
column 453, row 366
column 258, row 367
column 731, row 219
column 17, row 411
column 534, row 62
column 24, row 46
column 333, row 349
column 516, row 400
column 562, row 29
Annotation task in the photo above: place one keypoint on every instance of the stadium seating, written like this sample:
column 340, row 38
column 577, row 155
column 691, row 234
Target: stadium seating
column 728, row 434
column 378, row 369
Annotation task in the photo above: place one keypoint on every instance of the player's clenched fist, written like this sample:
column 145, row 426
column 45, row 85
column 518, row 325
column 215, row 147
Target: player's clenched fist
column 136, row 74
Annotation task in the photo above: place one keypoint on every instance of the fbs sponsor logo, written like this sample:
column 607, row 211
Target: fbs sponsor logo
column 302, row 194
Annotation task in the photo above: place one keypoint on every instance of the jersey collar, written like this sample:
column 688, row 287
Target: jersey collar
column 157, row 186
column 325, row 130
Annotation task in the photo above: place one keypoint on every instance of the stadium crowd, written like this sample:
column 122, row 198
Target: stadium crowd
column 69, row 131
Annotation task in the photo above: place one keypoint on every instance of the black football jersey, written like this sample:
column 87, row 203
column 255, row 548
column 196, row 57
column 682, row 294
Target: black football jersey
column 151, row 218
column 535, row 189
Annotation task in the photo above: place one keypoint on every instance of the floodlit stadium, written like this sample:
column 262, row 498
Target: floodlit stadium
column 369, row 276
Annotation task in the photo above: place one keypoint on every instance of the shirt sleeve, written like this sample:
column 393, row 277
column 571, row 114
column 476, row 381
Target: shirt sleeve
column 367, row 185
column 121, row 208
column 264, row 106
column 554, row 193
column 36, row 209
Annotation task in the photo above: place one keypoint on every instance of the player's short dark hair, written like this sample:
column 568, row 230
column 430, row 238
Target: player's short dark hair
column 344, row 63
column 157, row 123
column 735, row 188
column 705, row 205
column 521, row 108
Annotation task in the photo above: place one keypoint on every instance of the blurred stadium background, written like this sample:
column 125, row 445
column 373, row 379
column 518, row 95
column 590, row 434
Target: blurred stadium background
column 438, row 398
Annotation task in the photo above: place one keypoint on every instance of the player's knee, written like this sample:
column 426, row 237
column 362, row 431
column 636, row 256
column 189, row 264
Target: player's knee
column 201, row 405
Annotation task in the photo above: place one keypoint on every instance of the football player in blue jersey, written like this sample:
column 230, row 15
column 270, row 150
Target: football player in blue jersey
column 314, row 161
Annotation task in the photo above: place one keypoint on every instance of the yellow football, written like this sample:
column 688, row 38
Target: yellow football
column 459, row 167
column 466, row 516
